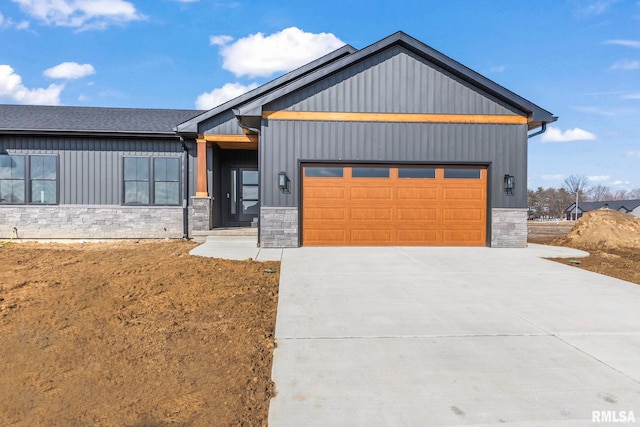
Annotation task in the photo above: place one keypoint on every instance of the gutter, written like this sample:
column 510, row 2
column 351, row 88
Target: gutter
column 185, row 189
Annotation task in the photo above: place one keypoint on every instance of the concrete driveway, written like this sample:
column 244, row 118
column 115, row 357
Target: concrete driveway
column 452, row 336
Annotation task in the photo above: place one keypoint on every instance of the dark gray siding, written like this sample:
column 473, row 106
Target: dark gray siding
column 224, row 123
column 90, row 169
column 393, row 81
column 502, row 147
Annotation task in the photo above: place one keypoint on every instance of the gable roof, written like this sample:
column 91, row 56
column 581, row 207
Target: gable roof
column 30, row 119
column 191, row 126
column 538, row 116
column 627, row 205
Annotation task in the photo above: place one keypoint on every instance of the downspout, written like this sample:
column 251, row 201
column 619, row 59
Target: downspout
column 185, row 189
column 236, row 113
column 541, row 131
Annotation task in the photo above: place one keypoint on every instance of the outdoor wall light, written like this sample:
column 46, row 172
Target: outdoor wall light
column 509, row 183
column 283, row 182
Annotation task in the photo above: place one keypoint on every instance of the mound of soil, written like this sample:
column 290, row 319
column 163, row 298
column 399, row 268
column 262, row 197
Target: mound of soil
column 603, row 229
column 134, row 334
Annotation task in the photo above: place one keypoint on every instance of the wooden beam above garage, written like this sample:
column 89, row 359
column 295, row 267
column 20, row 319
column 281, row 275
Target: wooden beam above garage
column 394, row 117
column 232, row 141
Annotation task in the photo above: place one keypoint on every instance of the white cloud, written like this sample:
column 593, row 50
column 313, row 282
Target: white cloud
column 70, row 71
column 632, row 96
column 597, row 7
column 625, row 64
column 554, row 134
column 599, row 178
column 10, row 23
column 628, row 43
column 633, row 154
column 218, row 96
column 619, row 183
column 596, row 110
column 498, row 69
column 220, row 40
column 12, row 89
column 83, row 14
column 258, row 55
column 556, row 177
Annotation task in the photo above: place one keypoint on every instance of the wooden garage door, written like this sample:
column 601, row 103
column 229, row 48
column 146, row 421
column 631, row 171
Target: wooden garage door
column 393, row 206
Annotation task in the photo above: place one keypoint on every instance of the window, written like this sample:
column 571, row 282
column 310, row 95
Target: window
column 364, row 172
column 416, row 172
column 151, row 181
column 462, row 173
column 166, row 181
column 44, row 179
column 323, row 171
column 28, row 179
column 12, row 179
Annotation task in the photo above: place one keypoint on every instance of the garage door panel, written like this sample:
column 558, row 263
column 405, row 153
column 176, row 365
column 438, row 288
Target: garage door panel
column 372, row 236
column 463, row 194
column 370, row 193
column 463, row 214
column 325, row 192
column 417, row 193
column 417, row 214
column 371, row 214
column 391, row 210
column 419, row 236
column 325, row 213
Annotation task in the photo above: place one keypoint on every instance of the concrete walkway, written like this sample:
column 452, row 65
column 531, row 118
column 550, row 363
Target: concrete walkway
column 237, row 248
column 451, row 336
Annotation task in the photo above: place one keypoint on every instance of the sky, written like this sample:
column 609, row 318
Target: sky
column 579, row 59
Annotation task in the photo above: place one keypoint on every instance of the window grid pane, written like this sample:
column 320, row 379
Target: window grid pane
column 43, row 173
column 364, row 172
column 12, row 179
column 462, row 173
column 166, row 181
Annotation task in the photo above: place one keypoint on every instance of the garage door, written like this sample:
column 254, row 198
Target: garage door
column 393, row 205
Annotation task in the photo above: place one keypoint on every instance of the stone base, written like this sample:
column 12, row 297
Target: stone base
column 90, row 222
column 279, row 227
column 508, row 228
column 200, row 214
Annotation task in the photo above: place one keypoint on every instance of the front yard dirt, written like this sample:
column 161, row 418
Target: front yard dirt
column 134, row 334
column 612, row 239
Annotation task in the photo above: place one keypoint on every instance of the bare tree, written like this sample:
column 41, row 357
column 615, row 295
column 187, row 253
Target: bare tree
column 576, row 184
column 619, row 195
column 634, row 194
column 599, row 193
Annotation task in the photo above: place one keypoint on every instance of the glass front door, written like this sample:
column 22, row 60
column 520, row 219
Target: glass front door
column 242, row 195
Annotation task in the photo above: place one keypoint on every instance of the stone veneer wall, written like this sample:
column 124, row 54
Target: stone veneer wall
column 278, row 227
column 200, row 214
column 508, row 228
column 91, row 222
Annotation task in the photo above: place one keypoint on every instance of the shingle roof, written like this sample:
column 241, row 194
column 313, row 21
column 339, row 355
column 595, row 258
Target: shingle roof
column 91, row 119
column 617, row 205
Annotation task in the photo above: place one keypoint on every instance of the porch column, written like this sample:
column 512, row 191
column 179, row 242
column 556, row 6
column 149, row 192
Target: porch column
column 201, row 183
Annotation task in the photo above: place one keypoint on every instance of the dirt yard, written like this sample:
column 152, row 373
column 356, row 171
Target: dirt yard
column 612, row 238
column 134, row 334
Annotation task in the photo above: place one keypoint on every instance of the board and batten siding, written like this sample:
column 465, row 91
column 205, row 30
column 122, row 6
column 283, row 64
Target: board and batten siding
column 395, row 80
column 286, row 143
column 90, row 169
column 224, row 123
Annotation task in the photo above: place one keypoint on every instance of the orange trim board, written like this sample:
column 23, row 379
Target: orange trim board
column 228, row 138
column 394, row 117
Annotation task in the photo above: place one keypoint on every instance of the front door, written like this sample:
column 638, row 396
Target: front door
column 242, row 195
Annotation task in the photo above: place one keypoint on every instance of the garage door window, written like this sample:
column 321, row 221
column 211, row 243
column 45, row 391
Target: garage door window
column 323, row 172
column 358, row 172
column 462, row 173
column 416, row 173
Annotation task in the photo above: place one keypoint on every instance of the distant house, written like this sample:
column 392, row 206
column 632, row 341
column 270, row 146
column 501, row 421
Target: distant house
column 625, row 206
column 394, row 144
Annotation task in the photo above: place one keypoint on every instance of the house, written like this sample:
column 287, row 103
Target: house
column 393, row 144
column 626, row 206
